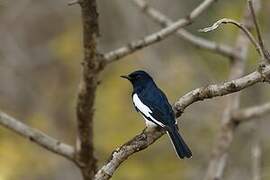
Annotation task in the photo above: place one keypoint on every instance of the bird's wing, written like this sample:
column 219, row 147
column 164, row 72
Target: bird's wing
column 159, row 113
column 145, row 109
column 160, row 108
column 134, row 103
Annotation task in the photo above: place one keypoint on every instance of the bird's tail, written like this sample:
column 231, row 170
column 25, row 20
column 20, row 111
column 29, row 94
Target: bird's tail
column 182, row 150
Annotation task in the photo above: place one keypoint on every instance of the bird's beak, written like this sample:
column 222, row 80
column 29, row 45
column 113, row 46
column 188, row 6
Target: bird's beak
column 125, row 77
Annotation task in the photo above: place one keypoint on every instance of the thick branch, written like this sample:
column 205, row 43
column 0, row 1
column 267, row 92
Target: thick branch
column 119, row 155
column 37, row 136
column 157, row 36
column 92, row 65
column 145, row 139
column 215, row 90
column 197, row 41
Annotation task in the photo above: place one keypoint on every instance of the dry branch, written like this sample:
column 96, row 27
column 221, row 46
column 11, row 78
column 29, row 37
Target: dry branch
column 37, row 136
column 138, row 143
column 251, row 113
column 258, row 31
column 226, row 133
column 215, row 90
column 92, row 65
column 145, row 139
column 240, row 26
column 157, row 36
column 197, row 41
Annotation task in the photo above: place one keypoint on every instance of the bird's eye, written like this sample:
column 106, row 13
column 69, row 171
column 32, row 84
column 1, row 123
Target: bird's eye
column 138, row 76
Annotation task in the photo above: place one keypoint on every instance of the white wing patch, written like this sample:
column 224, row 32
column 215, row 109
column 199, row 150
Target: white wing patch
column 145, row 110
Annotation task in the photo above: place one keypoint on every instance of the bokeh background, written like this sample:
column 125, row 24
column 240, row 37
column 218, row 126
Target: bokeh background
column 40, row 55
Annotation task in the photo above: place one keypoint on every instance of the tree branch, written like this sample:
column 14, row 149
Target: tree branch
column 136, row 144
column 226, row 133
column 215, row 90
column 258, row 31
column 145, row 139
column 157, row 36
column 92, row 65
column 251, row 113
column 197, row 41
column 37, row 136
column 240, row 26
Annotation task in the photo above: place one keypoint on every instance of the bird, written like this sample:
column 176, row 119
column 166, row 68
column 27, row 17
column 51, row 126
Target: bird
column 153, row 105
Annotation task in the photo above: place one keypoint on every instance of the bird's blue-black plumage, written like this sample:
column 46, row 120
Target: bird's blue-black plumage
column 160, row 113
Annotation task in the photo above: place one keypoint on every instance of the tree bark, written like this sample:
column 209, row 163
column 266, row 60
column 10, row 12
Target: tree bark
column 91, row 66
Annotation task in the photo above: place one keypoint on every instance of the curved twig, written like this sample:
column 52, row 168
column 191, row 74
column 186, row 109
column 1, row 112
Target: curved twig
column 239, row 25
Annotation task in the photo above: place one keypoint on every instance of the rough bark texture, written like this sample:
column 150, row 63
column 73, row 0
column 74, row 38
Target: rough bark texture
column 87, row 89
column 214, row 90
column 138, row 143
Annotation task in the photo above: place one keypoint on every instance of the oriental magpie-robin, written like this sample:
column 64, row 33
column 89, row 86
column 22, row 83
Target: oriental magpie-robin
column 153, row 105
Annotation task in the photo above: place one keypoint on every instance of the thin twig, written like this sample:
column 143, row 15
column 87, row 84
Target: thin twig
column 37, row 136
column 257, row 27
column 239, row 25
column 197, row 41
column 136, row 144
column 157, row 36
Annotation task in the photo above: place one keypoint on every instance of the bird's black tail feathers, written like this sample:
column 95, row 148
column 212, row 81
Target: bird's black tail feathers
column 182, row 150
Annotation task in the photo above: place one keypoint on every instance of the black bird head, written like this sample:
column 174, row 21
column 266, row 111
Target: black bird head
column 139, row 78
